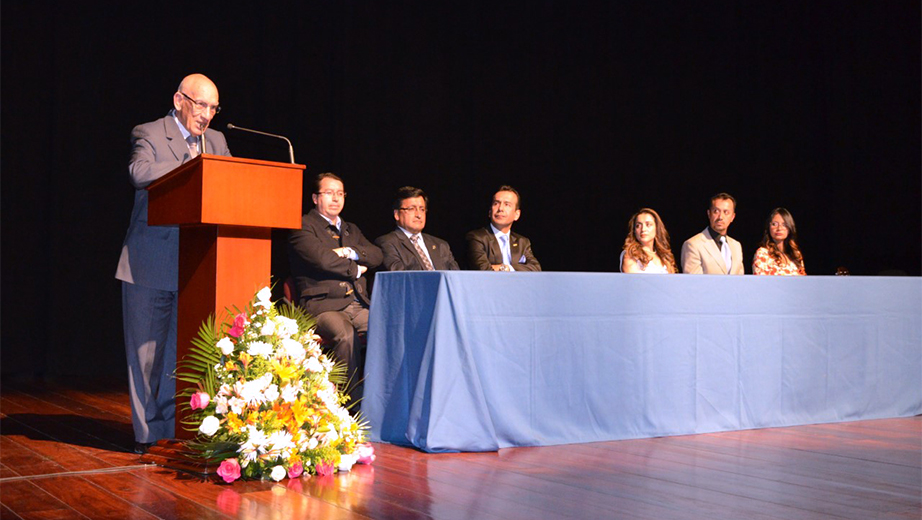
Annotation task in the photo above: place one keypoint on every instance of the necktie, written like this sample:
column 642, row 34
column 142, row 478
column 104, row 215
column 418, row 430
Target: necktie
column 725, row 249
column 422, row 254
column 504, row 245
column 193, row 146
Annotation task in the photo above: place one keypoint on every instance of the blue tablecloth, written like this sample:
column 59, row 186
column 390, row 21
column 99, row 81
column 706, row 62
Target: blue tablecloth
column 477, row 361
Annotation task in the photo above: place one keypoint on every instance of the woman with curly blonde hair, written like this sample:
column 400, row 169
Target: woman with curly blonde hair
column 778, row 253
column 646, row 248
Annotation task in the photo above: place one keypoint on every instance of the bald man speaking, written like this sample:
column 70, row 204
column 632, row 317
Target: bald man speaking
column 149, row 264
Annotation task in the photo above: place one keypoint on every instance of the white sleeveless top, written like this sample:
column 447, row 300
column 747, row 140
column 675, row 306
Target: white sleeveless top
column 650, row 268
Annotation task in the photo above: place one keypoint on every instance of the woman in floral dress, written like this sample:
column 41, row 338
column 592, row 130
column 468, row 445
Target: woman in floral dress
column 778, row 253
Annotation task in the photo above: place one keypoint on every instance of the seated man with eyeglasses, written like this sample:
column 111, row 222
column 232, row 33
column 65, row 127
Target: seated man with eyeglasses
column 328, row 257
column 407, row 248
column 149, row 263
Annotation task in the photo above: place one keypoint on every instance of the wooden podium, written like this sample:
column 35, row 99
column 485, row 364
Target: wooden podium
column 226, row 208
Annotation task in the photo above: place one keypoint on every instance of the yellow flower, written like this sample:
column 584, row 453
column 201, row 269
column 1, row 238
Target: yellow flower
column 286, row 371
column 245, row 359
column 234, row 424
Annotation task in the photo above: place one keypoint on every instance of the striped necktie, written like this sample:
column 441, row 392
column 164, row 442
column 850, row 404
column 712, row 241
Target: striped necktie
column 422, row 254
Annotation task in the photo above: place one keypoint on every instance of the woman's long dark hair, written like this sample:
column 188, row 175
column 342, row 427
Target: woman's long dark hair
column 790, row 243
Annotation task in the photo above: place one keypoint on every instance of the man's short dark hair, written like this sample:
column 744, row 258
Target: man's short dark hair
column 518, row 198
column 408, row 192
column 722, row 196
column 325, row 175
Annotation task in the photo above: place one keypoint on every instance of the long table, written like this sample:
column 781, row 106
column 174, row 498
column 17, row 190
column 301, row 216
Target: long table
column 477, row 361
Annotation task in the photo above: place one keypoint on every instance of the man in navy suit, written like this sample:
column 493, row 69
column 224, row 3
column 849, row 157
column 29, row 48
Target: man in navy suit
column 496, row 247
column 149, row 263
column 407, row 248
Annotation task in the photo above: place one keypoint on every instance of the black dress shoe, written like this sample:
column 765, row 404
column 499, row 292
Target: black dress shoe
column 141, row 447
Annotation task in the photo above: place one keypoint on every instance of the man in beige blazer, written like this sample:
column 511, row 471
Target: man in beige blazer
column 712, row 251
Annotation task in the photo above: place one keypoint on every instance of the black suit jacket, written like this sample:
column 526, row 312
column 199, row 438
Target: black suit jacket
column 401, row 255
column 324, row 281
column 483, row 251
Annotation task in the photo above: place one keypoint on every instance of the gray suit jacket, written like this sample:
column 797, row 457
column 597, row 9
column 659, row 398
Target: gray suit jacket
column 700, row 255
column 150, row 254
column 401, row 255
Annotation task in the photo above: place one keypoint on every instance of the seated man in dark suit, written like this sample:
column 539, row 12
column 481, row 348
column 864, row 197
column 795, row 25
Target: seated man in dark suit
column 407, row 248
column 328, row 257
column 496, row 247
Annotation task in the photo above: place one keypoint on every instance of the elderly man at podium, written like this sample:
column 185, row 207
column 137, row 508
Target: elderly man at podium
column 149, row 263
column 328, row 258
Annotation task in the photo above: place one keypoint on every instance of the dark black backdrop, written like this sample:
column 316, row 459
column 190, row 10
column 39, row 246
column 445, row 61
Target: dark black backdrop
column 592, row 109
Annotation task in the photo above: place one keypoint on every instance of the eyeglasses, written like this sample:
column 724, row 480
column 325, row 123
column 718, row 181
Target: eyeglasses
column 330, row 193
column 415, row 209
column 201, row 106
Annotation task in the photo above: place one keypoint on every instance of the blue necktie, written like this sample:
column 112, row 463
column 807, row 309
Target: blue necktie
column 725, row 249
column 504, row 245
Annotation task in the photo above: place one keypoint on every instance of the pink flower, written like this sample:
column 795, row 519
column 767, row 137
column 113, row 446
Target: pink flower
column 365, row 453
column 324, row 468
column 240, row 323
column 295, row 470
column 199, row 400
column 229, row 470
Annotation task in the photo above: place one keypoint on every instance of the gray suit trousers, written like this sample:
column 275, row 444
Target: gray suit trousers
column 149, row 317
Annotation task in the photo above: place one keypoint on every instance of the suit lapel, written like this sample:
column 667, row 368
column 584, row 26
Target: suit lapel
column 515, row 250
column 711, row 247
column 495, row 251
column 431, row 249
column 408, row 246
column 177, row 144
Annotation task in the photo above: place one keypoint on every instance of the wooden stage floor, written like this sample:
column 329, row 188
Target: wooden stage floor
column 65, row 453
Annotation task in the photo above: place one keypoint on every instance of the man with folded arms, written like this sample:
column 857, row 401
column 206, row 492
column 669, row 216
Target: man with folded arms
column 407, row 248
column 712, row 251
column 496, row 247
column 329, row 257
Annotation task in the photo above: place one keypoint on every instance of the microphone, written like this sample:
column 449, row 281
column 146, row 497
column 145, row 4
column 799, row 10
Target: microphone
column 291, row 150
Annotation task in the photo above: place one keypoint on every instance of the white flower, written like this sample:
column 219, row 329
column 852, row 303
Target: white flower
column 312, row 365
column 254, row 445
column 226, row 346
column 286, row 327
column 268, row 328
column 237, row 405
column 312, row 444
column 220, row 405
column 279, row 442
column 226, row 390
column 271, row 393
column 259, row 348
column 293, row 349
column 290, row 392
column 263, row 297
column 251, row 392
column 346, row 461
column 209, row 425
column 278, row 473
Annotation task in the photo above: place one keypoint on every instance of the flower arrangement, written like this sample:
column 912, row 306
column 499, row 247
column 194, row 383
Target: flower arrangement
column 266, row 402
